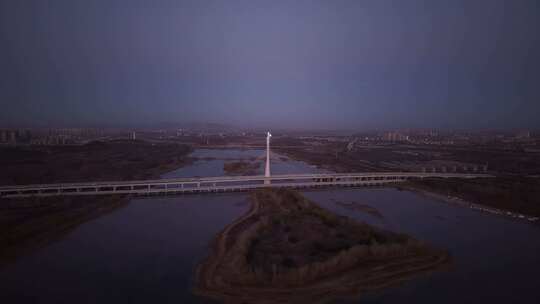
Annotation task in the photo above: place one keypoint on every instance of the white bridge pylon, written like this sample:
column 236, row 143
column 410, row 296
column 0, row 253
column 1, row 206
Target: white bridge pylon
column 267, row 167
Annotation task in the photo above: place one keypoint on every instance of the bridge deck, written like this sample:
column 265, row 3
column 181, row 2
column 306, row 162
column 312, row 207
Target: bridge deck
column 220, row 184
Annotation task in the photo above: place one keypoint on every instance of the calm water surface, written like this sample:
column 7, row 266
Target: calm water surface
column 148, row 250
column 211, row 163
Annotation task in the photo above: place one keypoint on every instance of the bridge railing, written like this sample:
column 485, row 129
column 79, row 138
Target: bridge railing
column 246, row 178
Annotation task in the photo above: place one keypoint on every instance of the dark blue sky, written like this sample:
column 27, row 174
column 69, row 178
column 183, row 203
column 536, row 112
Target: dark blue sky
column 324, row 64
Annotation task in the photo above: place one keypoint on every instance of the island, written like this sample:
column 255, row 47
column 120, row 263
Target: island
column 287, row 249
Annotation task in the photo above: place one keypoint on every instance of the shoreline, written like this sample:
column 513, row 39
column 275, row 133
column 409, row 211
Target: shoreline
column 456, row 201
column 30, row 224
column 49, row 220
column 453, row 200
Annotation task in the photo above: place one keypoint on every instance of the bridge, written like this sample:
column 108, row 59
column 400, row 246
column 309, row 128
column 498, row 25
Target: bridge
column 224, row 183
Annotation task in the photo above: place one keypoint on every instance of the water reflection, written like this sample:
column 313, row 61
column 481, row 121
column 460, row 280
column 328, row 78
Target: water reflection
column 143, row 253
column 495, row 258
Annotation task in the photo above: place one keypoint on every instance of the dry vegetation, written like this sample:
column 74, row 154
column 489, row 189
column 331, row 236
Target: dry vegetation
column 286, row 249
column 512, row 193
column 96, row 161
column 411, row 157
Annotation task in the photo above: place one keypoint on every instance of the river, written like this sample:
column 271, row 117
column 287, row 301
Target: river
column 148, row 250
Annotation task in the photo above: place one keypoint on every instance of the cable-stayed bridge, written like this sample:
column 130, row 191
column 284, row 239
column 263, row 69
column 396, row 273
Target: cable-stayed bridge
column 224, row 183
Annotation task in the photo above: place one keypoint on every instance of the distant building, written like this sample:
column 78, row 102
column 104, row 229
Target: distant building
column 395, row 136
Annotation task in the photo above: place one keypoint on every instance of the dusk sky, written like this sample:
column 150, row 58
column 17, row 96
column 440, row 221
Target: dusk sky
column 323, row 64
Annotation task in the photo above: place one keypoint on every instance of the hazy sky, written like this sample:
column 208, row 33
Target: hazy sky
column 325, row 64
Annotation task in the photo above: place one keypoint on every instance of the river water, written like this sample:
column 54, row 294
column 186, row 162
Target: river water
column 148, row 250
